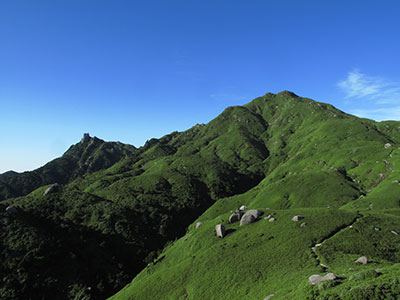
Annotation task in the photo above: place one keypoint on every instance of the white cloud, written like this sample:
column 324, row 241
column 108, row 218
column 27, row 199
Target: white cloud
column 378, row 114
column 378, row 90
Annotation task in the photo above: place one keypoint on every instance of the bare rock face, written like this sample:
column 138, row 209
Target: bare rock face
column 297, row 218
column 247, row 219
column 198, row 224
column 362, row 260
column 53, row 188
column 315, row 279
column 86, row 138
column 220, row 230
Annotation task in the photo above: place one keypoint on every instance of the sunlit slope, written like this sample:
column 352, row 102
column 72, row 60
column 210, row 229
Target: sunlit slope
column 320, row 159
column 263, row 258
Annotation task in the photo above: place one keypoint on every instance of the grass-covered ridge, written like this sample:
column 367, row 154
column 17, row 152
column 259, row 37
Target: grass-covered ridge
column 286, row 153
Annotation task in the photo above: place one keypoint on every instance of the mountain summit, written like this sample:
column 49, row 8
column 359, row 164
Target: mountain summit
column 326, row 183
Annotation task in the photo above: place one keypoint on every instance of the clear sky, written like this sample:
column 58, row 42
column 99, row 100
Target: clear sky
column 127, row 70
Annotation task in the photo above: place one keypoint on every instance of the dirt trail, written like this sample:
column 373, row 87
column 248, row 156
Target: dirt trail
column 333, row 233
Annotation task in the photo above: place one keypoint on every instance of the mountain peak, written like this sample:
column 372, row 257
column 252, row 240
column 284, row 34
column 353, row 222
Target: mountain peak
column 288, row 93
column 86, row 138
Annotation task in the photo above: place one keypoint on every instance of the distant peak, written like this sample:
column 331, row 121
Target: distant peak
column 86, row 138
column 288, row 93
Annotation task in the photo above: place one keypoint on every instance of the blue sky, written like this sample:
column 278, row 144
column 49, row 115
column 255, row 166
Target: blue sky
column 133, row 70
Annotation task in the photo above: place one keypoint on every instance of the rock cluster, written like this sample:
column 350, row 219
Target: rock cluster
column 245, row 218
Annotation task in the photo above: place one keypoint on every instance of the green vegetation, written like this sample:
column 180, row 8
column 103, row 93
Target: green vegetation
column 118, row 208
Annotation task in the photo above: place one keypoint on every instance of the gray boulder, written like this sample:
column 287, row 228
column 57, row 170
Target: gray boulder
column 51, row 189
column 297, row 218
column 255, row 212
column 362, row 260
column 269, row 297
column 303, row 224
column 235, row 217
column 247, row 219
column 198, row 224
column 315, row 279
column 12, row 210
column 272, row 220
column 243, row 207
column 220, row 230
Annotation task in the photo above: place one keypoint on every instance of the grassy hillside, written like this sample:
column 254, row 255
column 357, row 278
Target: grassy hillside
column 289, row 154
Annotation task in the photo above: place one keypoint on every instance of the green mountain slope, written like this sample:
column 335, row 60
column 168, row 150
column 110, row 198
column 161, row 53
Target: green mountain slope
column 88, row 156
column 289, row 154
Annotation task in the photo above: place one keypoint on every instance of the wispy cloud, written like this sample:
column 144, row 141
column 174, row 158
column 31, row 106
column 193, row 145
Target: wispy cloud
column 378, row 114
column 361, row 86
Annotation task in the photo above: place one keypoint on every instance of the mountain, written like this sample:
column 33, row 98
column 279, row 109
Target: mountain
column 8, row 174
column 89, row 155
column 282, row 154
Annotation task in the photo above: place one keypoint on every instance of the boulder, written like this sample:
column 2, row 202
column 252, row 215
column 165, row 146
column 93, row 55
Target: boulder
column 255, row 212
column 269, row 297
column 243, row 207
column 388, row 145
column 53, row 188
column 247, row 219
column 297, row 218
column 303, row 224
column 272, row 220
column 362, row 260
column 315, row 279
column 220, row 230
column 394, row 232
column 235, row 217
column 198, row 224
column 12, row 210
